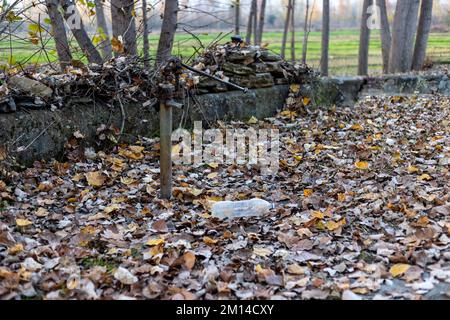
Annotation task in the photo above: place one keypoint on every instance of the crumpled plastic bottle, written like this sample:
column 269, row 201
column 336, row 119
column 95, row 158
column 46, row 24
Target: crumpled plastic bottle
column 239, row 209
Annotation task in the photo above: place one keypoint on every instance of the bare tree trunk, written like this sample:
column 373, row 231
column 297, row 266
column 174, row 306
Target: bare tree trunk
column 305, row 34
column 169, row 26
column 325, row 37
column 293, row 31
column 145, row 34
column 59, row 33
column 423, row 31
column 385, row 34
column 103, row 29
column 262, row 15
column 124, row 24
column 255, row 24
column 398, row 36
column 286, row 29
column 411, row 28
column 76, row 26
column 248, row 36
column 400, row 57
column 364, row 38
column 237, row 16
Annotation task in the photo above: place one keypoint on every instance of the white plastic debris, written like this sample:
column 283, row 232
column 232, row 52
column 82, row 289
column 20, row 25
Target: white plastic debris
column 125, row 276
column 238, row 209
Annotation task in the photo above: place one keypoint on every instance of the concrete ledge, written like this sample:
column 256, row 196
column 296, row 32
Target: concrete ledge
column 345, row 91
column 46, row 131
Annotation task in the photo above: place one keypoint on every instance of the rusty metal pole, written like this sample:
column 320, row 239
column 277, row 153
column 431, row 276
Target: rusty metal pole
column 165, row 129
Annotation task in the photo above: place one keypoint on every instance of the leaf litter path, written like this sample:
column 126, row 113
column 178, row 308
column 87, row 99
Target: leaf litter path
column 362, row 212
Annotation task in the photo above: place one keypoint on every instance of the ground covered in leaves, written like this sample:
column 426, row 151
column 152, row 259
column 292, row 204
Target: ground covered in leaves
column 362, row 212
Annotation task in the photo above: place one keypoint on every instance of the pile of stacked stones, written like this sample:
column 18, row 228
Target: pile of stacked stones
column 249, row 66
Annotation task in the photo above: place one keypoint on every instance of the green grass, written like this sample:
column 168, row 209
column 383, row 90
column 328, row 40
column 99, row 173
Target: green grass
column 343, row 49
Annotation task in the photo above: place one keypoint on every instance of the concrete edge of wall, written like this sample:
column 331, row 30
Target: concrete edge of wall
column 44, row 133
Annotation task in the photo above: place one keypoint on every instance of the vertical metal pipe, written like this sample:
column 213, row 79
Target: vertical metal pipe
column 165, row 125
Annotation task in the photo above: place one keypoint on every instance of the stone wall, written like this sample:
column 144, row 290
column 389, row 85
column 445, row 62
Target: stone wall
column 44, row 132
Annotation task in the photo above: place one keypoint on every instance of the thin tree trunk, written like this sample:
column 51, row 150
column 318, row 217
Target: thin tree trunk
column 286, row 29
column 385, row 34
column 293, row 31
column 103, row 29
column 124, row 24
column 145, row 34
column 364, row 38
column 398, row 36
column 255, row 24
column 262, row 15
column 59, row 33
column 248, row 36
column 411, row 28
column 237, row 16
column 423, row 31
column 400, row 57
column 305, row 34
column 80, row 33
column 325, row 37
column 169, row 26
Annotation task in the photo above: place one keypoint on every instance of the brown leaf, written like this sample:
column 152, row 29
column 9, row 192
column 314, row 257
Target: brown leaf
column 189, row 259
column 160, row 226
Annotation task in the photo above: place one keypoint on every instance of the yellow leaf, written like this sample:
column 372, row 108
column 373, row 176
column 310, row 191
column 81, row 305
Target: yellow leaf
column 154, row 242
column 127, row 181
column 195, row 192
column 16, row 249
column 136, row 149
column 289, row 114
column 357, row 127
column 214, row 199
column 95, row 179
column 117, row 164
column 307, row 192
column 23, row 222
column 209, row 241
column 295, row 269
column 341, row 197
column 397, row 156
column 212, row 175
column 317, row 215
column 112, row 208
column 97, row 39
column 72, row 283
column 362, row 165
column 176, row 149
column 412, row 169
column 252, row 120
column 259, row 269
column 399, row 269
column 213, row 165
column 425, row 177
column 306, row 101
column 295, row 88
column 41, row 212
column 332, row 225
column 263, row 252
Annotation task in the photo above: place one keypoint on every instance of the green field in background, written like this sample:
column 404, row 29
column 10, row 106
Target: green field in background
column 343, row 49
